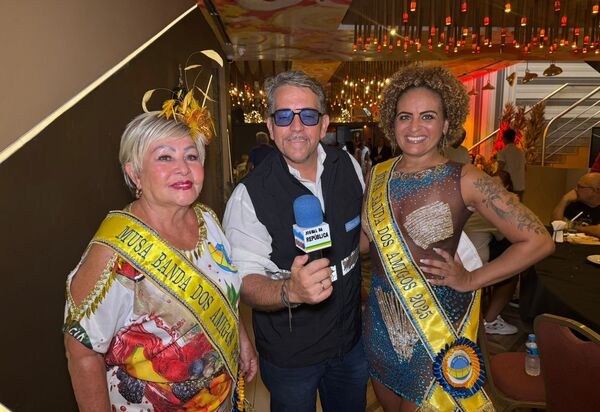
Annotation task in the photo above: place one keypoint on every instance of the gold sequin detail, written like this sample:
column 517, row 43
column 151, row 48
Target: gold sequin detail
column 96, row 295
column 429, row 224
column 400, row 330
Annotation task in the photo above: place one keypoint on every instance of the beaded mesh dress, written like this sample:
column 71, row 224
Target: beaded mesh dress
column 430, row 212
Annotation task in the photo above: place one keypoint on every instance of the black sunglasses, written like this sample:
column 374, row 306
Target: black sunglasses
column 285, row 117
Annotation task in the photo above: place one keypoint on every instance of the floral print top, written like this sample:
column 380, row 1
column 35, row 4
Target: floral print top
column 142, row 332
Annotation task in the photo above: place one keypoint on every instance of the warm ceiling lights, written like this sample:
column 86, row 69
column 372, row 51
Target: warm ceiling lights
column 552, row 70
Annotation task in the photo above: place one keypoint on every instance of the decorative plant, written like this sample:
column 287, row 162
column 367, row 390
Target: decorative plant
column 534, row 130
column 514, row 118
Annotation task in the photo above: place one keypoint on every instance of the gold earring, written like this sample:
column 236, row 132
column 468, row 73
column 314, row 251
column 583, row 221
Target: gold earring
column 138, row 192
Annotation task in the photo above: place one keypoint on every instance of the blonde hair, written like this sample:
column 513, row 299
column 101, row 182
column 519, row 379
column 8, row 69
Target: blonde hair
column 453, row 95
column 146, row 129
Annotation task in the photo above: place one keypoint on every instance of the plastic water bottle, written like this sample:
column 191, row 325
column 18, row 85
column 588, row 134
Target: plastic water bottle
column 532, row 356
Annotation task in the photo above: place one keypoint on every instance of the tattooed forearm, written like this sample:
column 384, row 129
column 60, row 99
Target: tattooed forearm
column 526, row 219
column 506, row 206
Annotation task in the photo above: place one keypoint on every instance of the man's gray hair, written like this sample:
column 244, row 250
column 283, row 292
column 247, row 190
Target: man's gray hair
column 293, row 78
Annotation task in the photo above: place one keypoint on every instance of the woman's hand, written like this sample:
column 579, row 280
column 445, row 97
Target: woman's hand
column 451, row 272
column 248, row 357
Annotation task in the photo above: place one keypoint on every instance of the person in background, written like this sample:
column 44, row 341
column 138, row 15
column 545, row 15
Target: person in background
column 512, row 160
column 241, row 169
column 457, row 152
column 306, row 314
column 584, row 199
column 260, row 151
column 362, row 153
column 138, row 330
column 381, row 152
column 422, row 315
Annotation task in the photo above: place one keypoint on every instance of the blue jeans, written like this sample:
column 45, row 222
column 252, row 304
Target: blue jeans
column 341, row 382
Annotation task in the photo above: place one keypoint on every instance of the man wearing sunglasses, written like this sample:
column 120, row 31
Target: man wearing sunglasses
column 583, row 202
column 306, row 315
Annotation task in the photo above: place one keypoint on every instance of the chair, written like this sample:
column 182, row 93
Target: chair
column 570, row 365
column 510, row 386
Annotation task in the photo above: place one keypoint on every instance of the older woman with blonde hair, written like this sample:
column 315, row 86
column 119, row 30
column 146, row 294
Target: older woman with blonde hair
column 422, row 315
column 151, row 320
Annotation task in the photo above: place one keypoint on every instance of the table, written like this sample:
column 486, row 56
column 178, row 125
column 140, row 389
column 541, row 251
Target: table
column 564, row 284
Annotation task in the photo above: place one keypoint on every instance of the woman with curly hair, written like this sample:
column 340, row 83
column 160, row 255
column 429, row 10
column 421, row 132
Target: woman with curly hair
column 423, row 310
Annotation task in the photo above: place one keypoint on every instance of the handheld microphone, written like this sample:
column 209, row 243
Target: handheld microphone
column 311, row 234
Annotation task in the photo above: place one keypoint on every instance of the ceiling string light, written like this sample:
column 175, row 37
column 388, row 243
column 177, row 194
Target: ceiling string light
column 461, row 27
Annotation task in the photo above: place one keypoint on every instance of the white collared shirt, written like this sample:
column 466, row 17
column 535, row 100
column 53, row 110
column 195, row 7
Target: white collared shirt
column 250, row 241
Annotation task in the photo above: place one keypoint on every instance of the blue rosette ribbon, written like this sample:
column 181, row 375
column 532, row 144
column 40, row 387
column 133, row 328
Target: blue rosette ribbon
column 459, row 368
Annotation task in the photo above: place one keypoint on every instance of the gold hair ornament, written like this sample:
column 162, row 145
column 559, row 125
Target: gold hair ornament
column 185, row 108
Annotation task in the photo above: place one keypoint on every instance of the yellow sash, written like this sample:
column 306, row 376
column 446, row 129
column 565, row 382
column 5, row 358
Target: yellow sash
column 458, row 366
column 175, row 275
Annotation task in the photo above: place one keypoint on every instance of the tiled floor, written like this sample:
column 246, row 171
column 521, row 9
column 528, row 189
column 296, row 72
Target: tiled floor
column 259, row 396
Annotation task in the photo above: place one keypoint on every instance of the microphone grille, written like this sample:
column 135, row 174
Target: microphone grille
column 307, row 211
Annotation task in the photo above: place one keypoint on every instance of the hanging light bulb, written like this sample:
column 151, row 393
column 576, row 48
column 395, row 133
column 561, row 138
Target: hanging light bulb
column 529, row 76
column 511, row 79
column 507, row 8
column 595, row 9
column 413, row 5
column 552, row 70
column 488, row 85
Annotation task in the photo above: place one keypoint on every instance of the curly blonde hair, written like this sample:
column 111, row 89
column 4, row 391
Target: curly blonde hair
column 453, row 94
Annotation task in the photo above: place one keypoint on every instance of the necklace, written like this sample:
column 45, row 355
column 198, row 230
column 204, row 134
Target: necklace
column 419, row 174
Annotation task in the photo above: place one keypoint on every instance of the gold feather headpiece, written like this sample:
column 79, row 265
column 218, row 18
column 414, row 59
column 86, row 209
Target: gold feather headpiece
column 183, row 106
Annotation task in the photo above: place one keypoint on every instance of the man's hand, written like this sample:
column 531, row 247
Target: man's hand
column 309, row 283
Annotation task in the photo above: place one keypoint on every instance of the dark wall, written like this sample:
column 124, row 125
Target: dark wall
column 55, row 191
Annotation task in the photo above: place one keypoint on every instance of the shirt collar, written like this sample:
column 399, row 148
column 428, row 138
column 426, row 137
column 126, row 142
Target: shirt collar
column 320, row 161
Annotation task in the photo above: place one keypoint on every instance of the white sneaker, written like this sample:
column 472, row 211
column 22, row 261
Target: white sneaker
column 499, row 327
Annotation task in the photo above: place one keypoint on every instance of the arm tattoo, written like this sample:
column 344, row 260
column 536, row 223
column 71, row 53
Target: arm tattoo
column 507, row 207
